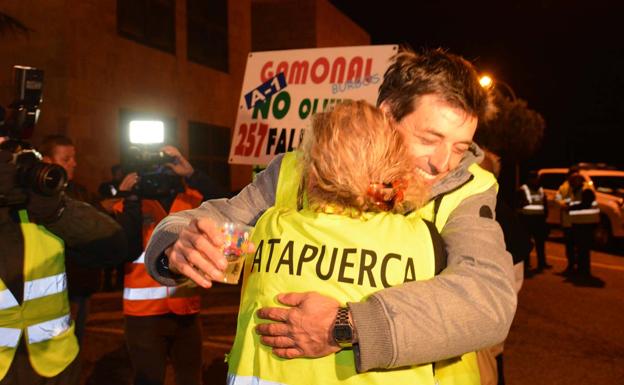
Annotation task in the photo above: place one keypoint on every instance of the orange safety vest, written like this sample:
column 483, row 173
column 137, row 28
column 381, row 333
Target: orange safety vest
column 143, row 296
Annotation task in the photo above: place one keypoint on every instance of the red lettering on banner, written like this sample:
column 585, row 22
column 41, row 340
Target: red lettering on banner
column 264, row 75
column 249, row 140
column 356, row 69
column 298, row 72
column 339, row 63
column 242, row 134
column 316, row 78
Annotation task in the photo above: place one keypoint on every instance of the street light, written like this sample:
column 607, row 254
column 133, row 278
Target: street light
column 487, row 82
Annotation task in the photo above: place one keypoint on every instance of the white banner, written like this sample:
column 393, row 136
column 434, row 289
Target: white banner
column 283, row 89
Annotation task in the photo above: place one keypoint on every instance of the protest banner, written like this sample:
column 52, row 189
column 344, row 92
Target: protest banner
column 283, row 89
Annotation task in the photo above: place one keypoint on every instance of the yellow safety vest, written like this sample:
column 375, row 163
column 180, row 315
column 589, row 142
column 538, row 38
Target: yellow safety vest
column 465, row 369
column 249, row 361
column 344, row 258
column 43, row 317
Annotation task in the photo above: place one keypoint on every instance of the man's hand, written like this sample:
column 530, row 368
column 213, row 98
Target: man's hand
column 302, row 330
column 181, row 166
column 198, row 253
column 129, row 181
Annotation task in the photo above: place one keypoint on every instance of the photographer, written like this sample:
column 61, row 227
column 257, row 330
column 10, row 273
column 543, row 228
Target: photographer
column 33, row 289
column 161, row 321
column 82, row 281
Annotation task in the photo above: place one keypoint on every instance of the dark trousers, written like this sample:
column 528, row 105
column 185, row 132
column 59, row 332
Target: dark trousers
column 21, row 372
column 79, row 305
column 583, row 240
column 538, row 230
column 568, row 238
column 151, row 340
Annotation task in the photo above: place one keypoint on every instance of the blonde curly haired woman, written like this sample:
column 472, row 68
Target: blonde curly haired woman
column 338, row 227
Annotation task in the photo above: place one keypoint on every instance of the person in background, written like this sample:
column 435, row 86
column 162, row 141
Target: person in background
column 580, row 211
column 36, row 238
column 108, row 191
column 82, row 281
column 533, row 211
column 563, row 194
column 161, row 322
column 110, row 188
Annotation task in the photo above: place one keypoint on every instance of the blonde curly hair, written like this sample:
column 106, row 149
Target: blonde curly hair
column 354, row 160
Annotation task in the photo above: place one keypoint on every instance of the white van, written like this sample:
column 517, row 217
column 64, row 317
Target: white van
column 609, row 187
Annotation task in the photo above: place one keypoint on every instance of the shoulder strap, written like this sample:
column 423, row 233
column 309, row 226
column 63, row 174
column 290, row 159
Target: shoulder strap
column 439, row 251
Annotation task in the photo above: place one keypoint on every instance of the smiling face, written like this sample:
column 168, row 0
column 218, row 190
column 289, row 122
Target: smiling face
column 438, row 135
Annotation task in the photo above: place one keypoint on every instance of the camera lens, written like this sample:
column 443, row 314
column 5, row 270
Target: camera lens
column 48, row 179
column 43, row 178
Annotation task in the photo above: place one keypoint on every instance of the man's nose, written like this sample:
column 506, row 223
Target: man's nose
column 439, row 160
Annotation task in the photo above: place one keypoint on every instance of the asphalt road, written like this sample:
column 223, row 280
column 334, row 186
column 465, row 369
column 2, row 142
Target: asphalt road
column 563, row 332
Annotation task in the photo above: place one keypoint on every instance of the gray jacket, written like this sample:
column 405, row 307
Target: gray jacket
column 469, row 306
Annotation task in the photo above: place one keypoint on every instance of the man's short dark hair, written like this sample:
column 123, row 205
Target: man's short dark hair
column 50, row 142
column 433, row 72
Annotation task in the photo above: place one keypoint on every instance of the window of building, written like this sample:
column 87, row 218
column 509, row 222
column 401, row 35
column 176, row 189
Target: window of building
column 209, row 146
column 207, row 33
column 149, row 22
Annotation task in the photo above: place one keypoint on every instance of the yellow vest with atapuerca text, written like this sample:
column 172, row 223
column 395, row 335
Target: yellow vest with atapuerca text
column 345, row 258
column 251, row 362
column 43, row 318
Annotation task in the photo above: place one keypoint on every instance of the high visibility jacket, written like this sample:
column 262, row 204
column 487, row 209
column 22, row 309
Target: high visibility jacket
column 572, row 214
column 43, row 317
column 143, row 296
column 344, row 258
column 465, row 369
column 535, row 201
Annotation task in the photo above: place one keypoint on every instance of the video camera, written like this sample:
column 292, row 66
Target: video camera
column 144, row 157
column 17, row 122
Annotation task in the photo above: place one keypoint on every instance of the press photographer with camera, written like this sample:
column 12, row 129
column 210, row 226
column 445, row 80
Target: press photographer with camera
column 161, row 322
column 39, row 228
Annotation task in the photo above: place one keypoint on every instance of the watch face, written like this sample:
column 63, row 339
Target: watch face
column 342, row 333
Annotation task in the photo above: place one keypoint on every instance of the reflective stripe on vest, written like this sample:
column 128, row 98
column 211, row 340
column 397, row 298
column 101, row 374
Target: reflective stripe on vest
column 9, row 337
column 345, row 258
column 535, row 204
column 584, row 216
column 45, row 286
column 144, row 293
column 7, row 300
column 48, row 329
column 43, row 316
column 248, row 380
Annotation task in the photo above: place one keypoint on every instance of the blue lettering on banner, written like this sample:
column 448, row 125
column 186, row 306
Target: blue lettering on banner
column 354, row 84
column 265, row 90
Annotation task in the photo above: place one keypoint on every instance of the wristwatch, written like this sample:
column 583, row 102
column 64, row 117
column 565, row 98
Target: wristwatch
column 343, row 332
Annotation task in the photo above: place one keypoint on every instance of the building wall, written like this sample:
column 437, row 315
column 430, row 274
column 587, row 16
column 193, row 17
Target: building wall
column 335, row 29
column 287, row 24
column 91, row 72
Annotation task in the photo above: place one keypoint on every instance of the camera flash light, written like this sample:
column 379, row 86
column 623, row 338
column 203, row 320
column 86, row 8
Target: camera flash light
column 147, row 131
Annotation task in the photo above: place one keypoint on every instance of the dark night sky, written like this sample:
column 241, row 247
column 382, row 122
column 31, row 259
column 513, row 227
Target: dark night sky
column 565, row 58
